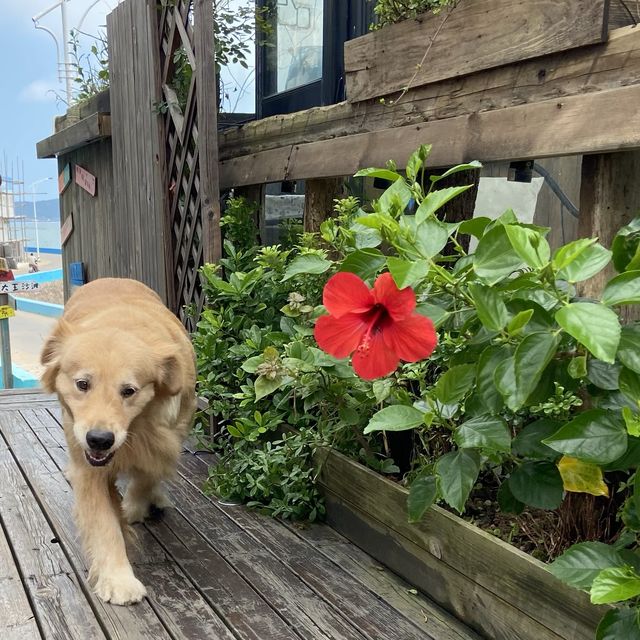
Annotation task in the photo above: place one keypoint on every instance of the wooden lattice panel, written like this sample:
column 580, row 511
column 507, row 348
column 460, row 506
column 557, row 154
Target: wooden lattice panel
column 187, row 65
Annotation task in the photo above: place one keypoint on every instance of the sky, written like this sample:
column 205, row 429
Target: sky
column 29, row 89
column 28, row 83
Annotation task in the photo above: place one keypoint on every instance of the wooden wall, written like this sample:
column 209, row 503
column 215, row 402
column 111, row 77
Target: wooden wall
column 92, row 241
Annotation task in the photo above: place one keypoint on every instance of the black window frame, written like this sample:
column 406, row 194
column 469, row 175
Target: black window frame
column 342, row 20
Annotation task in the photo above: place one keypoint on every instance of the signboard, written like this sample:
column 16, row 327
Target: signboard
column 6, row 312
column 15, row 286
column 85, row 180
column 66, row 229
column 64, row 179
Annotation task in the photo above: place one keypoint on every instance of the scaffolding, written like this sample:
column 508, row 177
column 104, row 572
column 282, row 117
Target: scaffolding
column 13, row 233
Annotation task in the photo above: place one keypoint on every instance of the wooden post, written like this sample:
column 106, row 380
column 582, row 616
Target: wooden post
column 5, row 338
column 319, row 195
column 609, row 199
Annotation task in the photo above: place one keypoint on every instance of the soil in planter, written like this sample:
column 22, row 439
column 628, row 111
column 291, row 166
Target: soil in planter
column 545, row 534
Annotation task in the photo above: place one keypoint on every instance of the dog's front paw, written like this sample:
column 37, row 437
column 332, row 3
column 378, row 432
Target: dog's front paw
column 120, row 588
column 135, row 510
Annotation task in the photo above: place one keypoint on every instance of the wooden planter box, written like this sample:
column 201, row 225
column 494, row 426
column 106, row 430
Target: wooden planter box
column 494, row 588
column 477, row 35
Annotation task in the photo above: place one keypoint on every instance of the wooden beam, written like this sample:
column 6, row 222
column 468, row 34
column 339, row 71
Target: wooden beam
column 207, row 131
column 609, row 199
column 93, row 128
column 568, row 126
column 318, row 201
column 472, row 36
column 613, row 64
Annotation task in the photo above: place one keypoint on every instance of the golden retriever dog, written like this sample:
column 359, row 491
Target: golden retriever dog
column 123, row 368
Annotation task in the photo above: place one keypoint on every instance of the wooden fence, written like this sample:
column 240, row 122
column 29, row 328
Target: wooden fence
column 551, row 81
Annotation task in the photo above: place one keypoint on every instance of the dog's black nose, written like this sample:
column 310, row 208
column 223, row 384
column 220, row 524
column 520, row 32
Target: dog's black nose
column 100, row 440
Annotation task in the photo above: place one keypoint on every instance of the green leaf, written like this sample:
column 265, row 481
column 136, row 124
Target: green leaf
column 453, row 385
column 486, row 389
column 504, row 378
column 382, row 389
column 603, row 375
column 458, row 472
column 251, row 365
column 531, row 358
column 596, row 436
column 529, row 245
column 537, row 484
column 594, row 326
column 578, row 367
column 407, row 273
column 632, row 422
column 489, row 305
column 528, row 443
column 507, row 501
column 519, row 322
column 474, row 164
column 623, row 289
column 495, row 257
column 397, row 417
column 566, row 254
column 474, row 227
column 437, row 314
column 364, row 263
column 485, row 432
column 431, row 237
column 625, row 247
column 422, row 494
column 416, row 161
column 310, row 263
column 397, row 196
column 265, row 386
column 372, row 172
column 437, row 199
column 618, row 624
column 629, row 347
column 584, row 262
column 579, row 565
column 630, row 385
column 615, row 585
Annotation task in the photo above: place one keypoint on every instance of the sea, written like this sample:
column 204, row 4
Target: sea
column 48, row 234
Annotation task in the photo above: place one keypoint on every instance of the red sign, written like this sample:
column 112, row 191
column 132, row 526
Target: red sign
column 67, row 228
column 85, row 180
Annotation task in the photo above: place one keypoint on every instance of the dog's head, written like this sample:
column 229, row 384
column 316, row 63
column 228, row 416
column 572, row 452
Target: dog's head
column 105, row 379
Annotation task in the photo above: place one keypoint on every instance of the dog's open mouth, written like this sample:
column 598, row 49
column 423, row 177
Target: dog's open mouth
column 98, row 458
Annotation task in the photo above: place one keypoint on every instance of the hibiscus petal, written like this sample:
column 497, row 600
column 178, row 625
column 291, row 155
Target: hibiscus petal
column 399, row 303
column 376, row 361
column 346, row 293
column 340, row 336
column 411, row 339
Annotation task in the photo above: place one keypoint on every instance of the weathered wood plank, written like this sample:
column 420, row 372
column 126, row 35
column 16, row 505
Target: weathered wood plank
column 475, row 35
column 18, row 619
column 497, row 569
column 51, row 489
column 610, row 65
column 60, row 604
column 91, row 129
column 309, row 614
column 373, row 616
column 573, row 125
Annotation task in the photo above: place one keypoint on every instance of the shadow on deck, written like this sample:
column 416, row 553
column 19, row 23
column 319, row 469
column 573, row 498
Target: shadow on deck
column 212, row 571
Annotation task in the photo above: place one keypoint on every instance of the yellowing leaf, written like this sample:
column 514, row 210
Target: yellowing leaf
column 582, row 477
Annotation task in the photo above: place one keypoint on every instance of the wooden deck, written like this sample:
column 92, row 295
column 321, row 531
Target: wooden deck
column 213, row 571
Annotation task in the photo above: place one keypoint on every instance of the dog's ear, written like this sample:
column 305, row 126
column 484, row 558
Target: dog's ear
column 169, row 380
column 50, row 355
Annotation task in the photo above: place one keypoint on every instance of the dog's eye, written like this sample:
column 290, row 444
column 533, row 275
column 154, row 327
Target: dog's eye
column 127, row 392
column 82, row 385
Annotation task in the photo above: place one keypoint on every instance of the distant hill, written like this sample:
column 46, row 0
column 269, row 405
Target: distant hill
column 47, row 210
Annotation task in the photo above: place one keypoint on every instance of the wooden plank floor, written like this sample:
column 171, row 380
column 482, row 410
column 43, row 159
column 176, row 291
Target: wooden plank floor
column 213, row 571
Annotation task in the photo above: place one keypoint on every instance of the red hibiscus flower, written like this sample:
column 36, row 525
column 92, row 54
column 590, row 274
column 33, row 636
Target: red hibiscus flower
column 380, row 325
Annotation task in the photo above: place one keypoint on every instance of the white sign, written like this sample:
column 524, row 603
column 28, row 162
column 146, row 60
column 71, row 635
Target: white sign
column 15, row 286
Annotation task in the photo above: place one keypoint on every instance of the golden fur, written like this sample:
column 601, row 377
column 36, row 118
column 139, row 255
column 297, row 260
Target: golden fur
column 119, row 362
